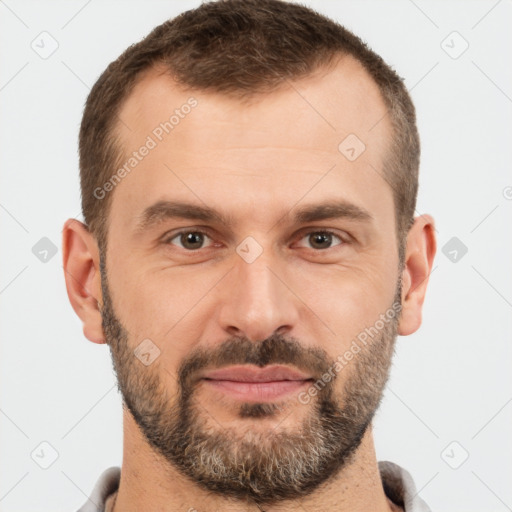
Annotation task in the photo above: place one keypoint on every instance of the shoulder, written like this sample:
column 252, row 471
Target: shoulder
column 107, row 484
column 400, row 489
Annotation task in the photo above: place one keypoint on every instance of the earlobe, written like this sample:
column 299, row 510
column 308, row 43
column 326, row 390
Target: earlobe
column 82, row 275
column 419, row 257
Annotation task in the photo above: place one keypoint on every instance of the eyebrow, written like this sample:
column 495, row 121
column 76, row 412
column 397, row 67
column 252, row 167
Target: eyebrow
column 165, row 210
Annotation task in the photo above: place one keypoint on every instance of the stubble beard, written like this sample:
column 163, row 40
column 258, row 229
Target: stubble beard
column 254, row 465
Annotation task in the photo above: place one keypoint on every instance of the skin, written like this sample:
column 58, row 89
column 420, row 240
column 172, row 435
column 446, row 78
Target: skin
column 256, row 162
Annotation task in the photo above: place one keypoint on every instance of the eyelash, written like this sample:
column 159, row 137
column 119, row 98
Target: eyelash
column 167, row 240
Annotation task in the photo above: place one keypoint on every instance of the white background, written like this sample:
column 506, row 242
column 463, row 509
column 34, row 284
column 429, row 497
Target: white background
column 451, row 380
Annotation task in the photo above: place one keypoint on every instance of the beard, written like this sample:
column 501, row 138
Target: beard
column 255, row 465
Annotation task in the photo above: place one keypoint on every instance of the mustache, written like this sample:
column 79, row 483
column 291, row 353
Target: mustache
column 240, row 350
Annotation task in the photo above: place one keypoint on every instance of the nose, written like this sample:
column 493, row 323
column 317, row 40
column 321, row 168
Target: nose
column 257, row 301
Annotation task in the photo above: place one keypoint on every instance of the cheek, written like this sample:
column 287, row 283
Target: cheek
column 347, row 300
column 176, row 307
column 164, row 305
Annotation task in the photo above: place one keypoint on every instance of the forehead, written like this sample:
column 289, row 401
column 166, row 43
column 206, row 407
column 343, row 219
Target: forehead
column 217, row 149
column 336, row 101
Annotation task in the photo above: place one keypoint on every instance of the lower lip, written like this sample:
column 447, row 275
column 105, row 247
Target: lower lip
column 261, row 391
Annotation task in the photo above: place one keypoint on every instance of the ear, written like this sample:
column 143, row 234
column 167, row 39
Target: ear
column 81, row 263
column 419, row 256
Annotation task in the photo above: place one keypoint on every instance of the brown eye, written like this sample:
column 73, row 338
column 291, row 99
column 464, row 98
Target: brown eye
column 189, row 240
column 322, row 240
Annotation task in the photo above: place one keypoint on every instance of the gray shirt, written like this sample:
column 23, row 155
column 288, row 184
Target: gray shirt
column 397, row 482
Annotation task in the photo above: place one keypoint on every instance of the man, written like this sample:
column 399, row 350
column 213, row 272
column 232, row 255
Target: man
column 249, row 175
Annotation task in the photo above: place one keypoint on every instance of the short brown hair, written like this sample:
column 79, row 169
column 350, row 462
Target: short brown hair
column 240, row 48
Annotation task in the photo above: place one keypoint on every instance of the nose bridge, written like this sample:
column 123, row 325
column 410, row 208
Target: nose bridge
column 257, row 303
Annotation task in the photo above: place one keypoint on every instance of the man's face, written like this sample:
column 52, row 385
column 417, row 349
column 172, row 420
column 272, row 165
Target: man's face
column 258, row 286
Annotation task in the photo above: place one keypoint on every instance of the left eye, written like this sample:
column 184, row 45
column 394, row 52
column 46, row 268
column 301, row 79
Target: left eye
column 194, row 240
column 321, row 240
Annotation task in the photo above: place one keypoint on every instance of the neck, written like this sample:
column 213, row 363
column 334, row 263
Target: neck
column 150, row 482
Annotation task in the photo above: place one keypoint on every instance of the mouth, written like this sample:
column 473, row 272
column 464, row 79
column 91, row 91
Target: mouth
column 251, row 383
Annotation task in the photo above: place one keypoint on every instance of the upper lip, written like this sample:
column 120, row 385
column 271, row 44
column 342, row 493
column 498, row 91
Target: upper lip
column 246, row 373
